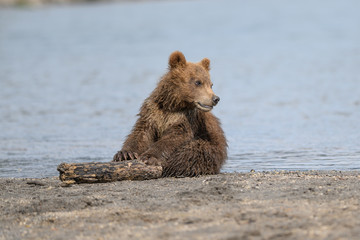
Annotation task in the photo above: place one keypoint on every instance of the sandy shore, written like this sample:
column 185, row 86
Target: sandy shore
column 271, row 205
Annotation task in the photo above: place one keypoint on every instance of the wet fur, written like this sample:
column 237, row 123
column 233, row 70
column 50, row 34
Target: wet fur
column 171, row 131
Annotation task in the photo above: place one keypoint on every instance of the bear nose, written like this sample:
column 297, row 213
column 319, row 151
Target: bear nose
column 215, row 100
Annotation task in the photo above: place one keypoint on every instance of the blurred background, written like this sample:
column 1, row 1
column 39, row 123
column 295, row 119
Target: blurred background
column 73, row 77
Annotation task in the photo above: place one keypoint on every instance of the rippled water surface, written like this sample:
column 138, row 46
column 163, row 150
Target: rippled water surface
column 72, row 79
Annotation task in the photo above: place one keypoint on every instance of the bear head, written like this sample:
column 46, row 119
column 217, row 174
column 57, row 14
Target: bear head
column 187, row 85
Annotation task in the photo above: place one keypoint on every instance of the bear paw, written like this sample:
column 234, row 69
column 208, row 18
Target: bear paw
column 125, row 155
column 150, row 160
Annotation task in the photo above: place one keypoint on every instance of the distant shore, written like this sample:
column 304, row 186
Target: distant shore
column 16, row 3
column 255, row 205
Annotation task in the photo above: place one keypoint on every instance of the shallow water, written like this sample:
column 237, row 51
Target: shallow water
column 73, row 78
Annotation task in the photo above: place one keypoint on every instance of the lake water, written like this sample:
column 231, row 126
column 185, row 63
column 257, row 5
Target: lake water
column 288, row 74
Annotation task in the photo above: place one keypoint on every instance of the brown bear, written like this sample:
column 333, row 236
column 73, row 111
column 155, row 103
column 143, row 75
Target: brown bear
column 175, row 128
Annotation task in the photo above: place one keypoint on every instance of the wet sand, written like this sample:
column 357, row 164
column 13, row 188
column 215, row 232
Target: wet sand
column 266, row 205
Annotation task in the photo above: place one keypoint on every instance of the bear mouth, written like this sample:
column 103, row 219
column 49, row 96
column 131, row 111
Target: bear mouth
column 203, row 107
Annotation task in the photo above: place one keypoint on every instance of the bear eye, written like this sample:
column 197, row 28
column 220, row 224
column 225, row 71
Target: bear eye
column 212, row 85
column 197, row 83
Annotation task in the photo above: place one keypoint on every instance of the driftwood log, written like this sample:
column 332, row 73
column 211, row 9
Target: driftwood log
column 96, row 172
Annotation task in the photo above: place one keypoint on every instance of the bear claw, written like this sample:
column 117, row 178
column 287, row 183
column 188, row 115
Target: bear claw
column 125, row 155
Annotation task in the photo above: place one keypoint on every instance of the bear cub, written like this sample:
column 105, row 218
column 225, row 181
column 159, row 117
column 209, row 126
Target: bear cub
column 175, row 128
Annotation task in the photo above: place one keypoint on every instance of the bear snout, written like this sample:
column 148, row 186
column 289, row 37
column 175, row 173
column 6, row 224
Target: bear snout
column 215, row 100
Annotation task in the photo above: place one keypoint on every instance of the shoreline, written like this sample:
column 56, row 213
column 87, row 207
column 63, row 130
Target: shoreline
column 39, row 3
column 255, row 205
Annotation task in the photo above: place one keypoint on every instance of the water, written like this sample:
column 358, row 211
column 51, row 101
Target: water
column 73, row 78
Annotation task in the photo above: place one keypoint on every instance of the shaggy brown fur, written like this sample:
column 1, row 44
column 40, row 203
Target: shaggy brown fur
column 175, row 128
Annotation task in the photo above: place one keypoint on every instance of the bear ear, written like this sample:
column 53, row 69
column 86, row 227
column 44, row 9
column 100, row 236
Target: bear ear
column 177, row 59
column 206, row 63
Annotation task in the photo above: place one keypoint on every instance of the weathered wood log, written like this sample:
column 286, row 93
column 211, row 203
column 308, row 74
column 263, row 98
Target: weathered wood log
column 96, row 172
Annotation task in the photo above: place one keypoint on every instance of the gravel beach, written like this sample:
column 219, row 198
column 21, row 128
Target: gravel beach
column 255, row 205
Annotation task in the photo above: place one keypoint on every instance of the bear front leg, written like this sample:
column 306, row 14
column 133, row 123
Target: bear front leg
column 197, row 157
column 159, row 151
column 136, row 142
